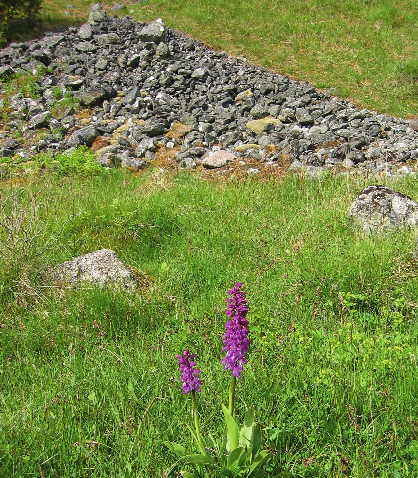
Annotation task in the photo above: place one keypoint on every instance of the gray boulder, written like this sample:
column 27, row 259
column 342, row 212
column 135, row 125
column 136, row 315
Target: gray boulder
column 40, row 121
column 84, row 136
column 379, row 208
column 100, row 268
column 155, row 32
column 97, row 14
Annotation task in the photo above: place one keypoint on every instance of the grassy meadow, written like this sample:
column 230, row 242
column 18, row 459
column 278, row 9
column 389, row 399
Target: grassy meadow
column 365, row 50
column 89, row 382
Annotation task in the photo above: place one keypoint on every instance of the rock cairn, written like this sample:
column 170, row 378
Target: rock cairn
column 146, row 88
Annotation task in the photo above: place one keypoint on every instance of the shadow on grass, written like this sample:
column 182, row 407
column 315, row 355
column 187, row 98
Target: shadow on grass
column 29, row 29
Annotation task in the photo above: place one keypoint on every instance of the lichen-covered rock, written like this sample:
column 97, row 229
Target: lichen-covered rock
column 257, row 126
column 379, row 208
column 155, row 32
column 100, row 268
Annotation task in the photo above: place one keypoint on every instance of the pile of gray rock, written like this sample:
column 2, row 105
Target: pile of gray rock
column 143, row 83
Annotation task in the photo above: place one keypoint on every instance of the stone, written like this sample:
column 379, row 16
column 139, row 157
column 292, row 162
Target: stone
column 187, row 163
column 379, row 208
column 100, row 268
column 217, row 159
column 162, row 51
column 67, row 122
column 155, row 32
column 6, row 72
column 97, row 15
column 84, row 136
column 117, row 7
column 200, row 74
column 108, row 160
column 247, row 147
column 132, row 95
column 257, row 126
column 85, row 32
column 107, row 38
column 41, row 120
column 94, row 96
column 154, row 128
column 133, row 163
column 252, row 171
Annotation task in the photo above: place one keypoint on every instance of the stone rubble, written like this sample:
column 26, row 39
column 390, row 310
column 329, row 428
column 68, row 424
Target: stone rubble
column 147, row 88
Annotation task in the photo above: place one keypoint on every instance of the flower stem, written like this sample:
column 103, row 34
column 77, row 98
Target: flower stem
column 196, row 425
column 231, row 405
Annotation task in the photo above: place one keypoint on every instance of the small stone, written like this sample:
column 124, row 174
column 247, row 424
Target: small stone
column 252, row 171
column 84, row 136
column 85, row 31
column 356, row 156
column 218, row 159
column 347, row 163
column 257, row 126
column 6, row 72
column 117, row 7
column 187, row 163
column 40, row 121
column 97, row 15
column 154, row 32
column 133, row 163
column 200, row 74
column 101, row 268
column 162, row 51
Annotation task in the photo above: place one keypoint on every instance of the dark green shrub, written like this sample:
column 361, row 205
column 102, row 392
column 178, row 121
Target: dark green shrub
column 12, row 11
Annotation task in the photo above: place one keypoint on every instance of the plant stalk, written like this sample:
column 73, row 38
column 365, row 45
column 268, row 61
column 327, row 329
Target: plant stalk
column 231, row 405
column 196, row 425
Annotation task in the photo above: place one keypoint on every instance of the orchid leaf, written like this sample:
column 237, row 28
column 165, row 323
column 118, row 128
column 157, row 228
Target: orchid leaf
column 201, row 444
column 198, row 459
column 256, row 440
column 246, row 433
column 232, row 430
column 261, row 458
column 175, row 448
column 236, row 458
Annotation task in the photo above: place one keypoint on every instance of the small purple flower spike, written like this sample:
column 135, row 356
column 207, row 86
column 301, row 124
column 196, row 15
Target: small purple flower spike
column 190, row 375
column 236, row 341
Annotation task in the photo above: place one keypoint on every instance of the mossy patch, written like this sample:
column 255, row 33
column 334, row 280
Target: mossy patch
column 257, row 126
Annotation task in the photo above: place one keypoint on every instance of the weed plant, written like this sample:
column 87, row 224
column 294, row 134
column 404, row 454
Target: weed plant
column 89, row 382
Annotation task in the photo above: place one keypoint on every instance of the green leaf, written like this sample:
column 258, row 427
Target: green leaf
column 246, row 433
column 261, row 458
column 231, row 428
column 175, row 448
column 203, row 450
column 198, row 459
column 256, row 439
column 186, row 474
column 236, row 457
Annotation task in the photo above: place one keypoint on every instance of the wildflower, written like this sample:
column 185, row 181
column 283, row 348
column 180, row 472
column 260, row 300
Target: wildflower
column 190, row 375
column 236, row 341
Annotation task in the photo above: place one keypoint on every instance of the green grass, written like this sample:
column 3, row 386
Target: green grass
column 332, row 369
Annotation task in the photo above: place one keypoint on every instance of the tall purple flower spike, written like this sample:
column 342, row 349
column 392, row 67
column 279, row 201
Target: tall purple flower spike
column 236, row 341
column 190, row 375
